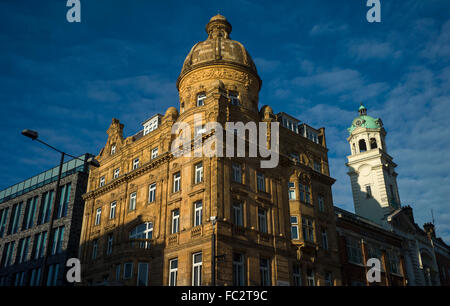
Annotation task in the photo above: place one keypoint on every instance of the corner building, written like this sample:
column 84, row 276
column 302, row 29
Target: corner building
column 147, row 214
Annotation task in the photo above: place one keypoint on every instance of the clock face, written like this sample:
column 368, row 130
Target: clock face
column 358, row 122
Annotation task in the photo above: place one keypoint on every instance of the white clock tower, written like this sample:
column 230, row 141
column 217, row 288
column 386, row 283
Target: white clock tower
column 371, row 169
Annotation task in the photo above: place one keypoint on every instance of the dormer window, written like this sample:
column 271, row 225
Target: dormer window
column 234, row 98
column 113, row 149
column 201, row 99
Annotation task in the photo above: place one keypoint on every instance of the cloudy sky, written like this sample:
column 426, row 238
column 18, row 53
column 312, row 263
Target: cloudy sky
column 318, row 60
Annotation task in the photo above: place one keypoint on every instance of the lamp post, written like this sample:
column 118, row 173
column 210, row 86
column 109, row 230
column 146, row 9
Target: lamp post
column 213, row 251
column 91, row 161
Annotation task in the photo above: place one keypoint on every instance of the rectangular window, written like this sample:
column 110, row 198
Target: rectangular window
column 262, row 220
column 109, row 247
column 264, row 271
column 52, row 276
column 135, row 163
column 328, row 279
column 310, row 277
column 173, row 272
column 112, row 210
column 15, row 216
column 98, row 216
column 39, row 245
column 234, row 99
column 305, row 193
column 317, row 167
column 237, row 172
column 102, row 182
column 176, row 182
column 175, row 221
column 30, row 211
column 308, row 229
column 22, row 252
column 201, row 99
column 261, row 182
column 35, row 277
column 132, row 205
column 57, row 241
column 238, row 270
column 368, row 191
column 198, row 173
column 294, row 227
column 237, row 214
column 142, row 278
column 354, row 253
column 324, row 239
column 128, row 270
column 64, row 201
column 394, row 262
column 152, row 193
column 3, row 218
column 8, row 250
column 197, row 269
column 296, row 275
column 94, row 248
column 113, row 149
column 291, row 186
column 116, row 173
column 198, row 212
column 118, row 272
column 154, row 153
column 321, row 203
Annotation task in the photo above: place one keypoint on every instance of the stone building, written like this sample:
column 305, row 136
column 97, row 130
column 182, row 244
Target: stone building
column 147, row 219
column 25, row 210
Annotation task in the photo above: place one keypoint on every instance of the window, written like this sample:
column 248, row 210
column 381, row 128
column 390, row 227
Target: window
column 39, row 245
column 113, row 149
column 354, row 254
column 154, row 153
column 8, row 250
column 237, row 173
column 58, row 235
column 94, row 248
column 118, row 272
column 262, row 220
column 15, row 216
column 328, row 279
column 175, row 221
column 28, row 218
column 317, row 166
column 173, row 272
column 22, row 251
column 198, row 209
column 201, row 99
column 142, row 279
column 132, row 205
column 362, row 145
column 35, row 277
column 3, row 218
column 368, row 191
column 305, row 193
column 238, row 270
column 324, row 239
column 197, row 269
column 394, row 262
column 135, row 163
column 112, row 210
column 261, row 182
column 176, row 182
column 373, row 143
column 291, row 190
column 296, row 275
column 109, row 246
column 98, row 216
column 63, row 201
column 321, row 203
column 152, row 193
column 182, row 107
column 234, row 99
column 198, row 173
column 264, row 271
column 308, row 229
column 19, row 279
column 52, row 276
column 237, row 214
column 294, row 227
column 310, row 277
column 127, row 270
column 142, row 231
column 44, row 214
column 102, row 182
column 116, row 173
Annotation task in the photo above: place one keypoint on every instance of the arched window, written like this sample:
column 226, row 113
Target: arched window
column 362, row 145
column 142, row 231
column 373, row 143
column 201, row 99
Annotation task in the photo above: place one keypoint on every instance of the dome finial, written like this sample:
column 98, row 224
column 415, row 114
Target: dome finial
column 218, row 26
column 362, row 110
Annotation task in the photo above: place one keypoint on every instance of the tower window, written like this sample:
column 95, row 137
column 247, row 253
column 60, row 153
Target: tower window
column 368, row 191
column 234, row 98
column 362, row 146
column 373, row 143
column 201, row 99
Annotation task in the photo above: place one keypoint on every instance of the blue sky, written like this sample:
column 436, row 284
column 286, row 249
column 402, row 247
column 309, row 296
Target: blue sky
column 318, row 60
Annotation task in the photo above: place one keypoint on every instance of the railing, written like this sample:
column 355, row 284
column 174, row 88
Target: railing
column 196, row 231
column 173, row 239
column 141, row 243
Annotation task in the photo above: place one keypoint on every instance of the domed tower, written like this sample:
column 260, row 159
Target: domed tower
column 371, row 169
column 219, row 78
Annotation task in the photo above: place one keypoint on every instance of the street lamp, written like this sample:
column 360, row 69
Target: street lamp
column 91, row 161
column 213, row 251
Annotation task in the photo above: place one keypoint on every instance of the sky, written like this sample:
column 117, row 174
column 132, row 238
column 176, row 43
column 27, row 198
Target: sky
column 317, row 59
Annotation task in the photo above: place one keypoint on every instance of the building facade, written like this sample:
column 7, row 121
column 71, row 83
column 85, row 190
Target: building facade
column 147, row 219
column 25, row 213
